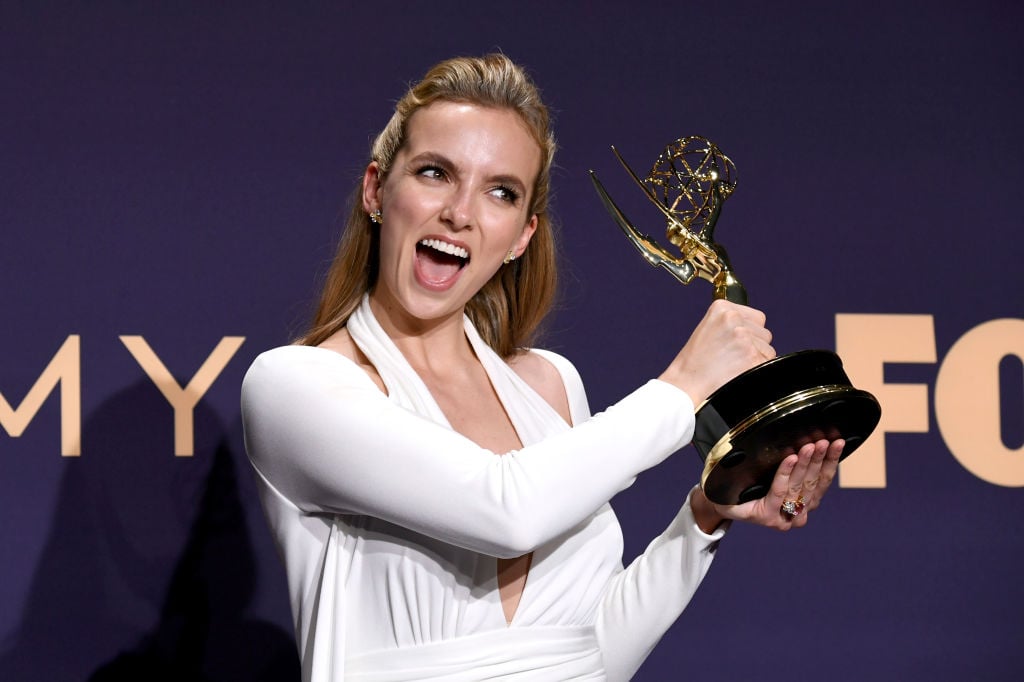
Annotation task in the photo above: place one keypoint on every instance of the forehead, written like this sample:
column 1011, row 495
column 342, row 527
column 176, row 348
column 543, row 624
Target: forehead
column 473, row 134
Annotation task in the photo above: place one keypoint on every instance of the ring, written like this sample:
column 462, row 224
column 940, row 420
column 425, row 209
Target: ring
column 793, row 507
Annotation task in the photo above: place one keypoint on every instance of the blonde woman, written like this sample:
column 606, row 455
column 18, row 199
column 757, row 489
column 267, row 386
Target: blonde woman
column 439, row 491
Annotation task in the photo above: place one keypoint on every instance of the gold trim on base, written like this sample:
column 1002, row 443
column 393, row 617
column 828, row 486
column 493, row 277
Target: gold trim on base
column 778, row 408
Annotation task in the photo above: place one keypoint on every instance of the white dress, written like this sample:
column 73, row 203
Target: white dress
column 389, row 522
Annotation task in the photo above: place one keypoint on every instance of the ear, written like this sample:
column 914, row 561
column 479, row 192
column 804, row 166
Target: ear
column 524, row 237
column 372, row 187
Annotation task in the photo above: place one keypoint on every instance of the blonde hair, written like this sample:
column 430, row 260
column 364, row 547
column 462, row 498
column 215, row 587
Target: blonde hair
column 509, row 308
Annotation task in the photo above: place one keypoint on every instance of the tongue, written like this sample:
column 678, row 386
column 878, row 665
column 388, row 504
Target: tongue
column 436, row 266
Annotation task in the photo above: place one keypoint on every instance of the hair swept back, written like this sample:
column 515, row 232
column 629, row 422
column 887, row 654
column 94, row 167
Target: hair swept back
column 509, row 308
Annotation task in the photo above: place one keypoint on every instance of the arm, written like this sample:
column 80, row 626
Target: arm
column 325, row 437
column 643, row 601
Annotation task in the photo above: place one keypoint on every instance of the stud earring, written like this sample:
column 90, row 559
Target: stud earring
column 510, row 257
column 376, row 217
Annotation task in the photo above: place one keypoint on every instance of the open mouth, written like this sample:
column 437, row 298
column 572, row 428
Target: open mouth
column 438, row 261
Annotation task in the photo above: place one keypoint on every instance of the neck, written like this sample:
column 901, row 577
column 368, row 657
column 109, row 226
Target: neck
column 437, row 346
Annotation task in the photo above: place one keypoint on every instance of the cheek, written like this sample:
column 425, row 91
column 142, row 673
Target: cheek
column 504, row 222
column 400, row 215
column 408, row 202
column 390, row 248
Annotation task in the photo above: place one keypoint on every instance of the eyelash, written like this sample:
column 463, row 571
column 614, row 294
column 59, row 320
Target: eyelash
column 506, row 193
column 509, row 194
column 423, row 170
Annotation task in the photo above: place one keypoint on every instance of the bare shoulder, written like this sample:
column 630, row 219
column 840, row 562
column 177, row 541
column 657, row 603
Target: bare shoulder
column 341, row 342
column 544, row 378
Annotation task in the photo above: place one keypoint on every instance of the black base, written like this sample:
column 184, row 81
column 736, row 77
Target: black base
column 747, row 427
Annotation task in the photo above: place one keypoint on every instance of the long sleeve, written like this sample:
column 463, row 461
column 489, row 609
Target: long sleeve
column 320, row 432
column 642, row 602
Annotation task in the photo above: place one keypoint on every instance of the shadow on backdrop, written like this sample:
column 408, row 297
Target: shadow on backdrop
column 148, row 570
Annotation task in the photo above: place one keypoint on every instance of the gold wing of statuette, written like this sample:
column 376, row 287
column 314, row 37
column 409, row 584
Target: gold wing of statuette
column 652, row 252
column 698, row 258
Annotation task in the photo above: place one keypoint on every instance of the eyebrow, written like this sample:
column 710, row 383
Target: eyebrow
column 442, row 160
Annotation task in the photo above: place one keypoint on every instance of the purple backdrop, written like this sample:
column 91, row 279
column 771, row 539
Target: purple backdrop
column 176, row 172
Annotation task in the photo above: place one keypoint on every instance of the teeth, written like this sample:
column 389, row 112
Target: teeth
column 445, row 247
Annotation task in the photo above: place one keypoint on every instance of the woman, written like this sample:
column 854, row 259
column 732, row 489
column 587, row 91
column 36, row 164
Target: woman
column 440, row 495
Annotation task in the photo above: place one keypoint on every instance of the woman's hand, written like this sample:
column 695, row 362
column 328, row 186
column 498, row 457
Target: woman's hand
column 729, row 340
column 801, row 479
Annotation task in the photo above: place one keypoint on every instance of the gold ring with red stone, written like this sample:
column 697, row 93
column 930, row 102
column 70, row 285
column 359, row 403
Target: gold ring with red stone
column 793, row 508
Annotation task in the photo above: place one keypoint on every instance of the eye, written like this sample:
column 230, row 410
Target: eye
column 506, row 194
column 431, row 171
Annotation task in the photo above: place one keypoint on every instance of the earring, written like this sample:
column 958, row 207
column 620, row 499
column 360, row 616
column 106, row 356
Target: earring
column 510, row 257
column 375, row 217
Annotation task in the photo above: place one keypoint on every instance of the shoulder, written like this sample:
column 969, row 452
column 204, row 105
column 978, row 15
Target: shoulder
column 288, row 358
column 285, row 369
column 555, row 379
column 341, row 342
column 338, row 353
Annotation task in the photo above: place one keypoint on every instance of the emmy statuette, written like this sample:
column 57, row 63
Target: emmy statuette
column 748, row 426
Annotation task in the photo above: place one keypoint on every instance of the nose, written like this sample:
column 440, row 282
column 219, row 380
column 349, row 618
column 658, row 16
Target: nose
column 457, row 211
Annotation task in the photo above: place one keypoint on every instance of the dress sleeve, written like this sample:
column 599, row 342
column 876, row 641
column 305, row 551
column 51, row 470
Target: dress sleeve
column 323, row 435
column 643, row 601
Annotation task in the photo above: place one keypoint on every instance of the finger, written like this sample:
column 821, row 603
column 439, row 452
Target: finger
column 772, row 513
column 740, row 319
column 766, row 350
column 722, row 306
column 812, row 479
column 780, row 483
column 792, row 504
column 830, row 465
column 799, row 475
column 800, row 520
column 806, row 481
